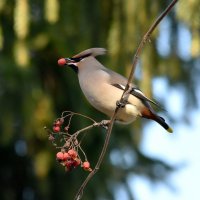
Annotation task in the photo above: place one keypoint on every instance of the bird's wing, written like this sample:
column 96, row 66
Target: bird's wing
column 137, row 93
column 115, row 78
column 120, row 82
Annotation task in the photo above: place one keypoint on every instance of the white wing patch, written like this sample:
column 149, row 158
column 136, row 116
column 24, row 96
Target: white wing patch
column 137, row 93
column 122, row 86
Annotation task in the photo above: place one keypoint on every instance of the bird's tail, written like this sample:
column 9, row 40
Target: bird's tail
column 162, row 122
column 149, row 113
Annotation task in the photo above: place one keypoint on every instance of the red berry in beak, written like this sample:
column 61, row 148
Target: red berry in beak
column 61, row 61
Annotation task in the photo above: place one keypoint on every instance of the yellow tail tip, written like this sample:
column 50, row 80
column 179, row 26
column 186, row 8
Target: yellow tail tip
column 170, row 130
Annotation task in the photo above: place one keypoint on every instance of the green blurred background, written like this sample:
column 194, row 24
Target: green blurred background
column 34, row 90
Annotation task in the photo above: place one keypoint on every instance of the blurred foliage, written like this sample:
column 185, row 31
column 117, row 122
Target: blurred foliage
column 34, row 91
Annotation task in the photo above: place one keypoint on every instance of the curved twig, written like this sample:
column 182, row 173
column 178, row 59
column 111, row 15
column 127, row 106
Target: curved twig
column 124, row 96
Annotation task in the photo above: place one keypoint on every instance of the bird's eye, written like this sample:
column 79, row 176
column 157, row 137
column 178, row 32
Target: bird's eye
column 76, row 59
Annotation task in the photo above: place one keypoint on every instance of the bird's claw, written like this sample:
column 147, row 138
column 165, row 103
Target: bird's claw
column 121, row 104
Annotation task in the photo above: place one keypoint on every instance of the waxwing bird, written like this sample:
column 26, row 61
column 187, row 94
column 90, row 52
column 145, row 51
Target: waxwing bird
column 103, row 87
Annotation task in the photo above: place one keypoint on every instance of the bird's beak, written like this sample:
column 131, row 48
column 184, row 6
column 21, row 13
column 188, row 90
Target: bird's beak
column 69, row 61
column 65, row 61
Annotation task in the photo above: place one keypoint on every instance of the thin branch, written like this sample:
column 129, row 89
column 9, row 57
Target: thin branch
column 65, row 114
column 123, row 97
column 91, row 174
column 145, row 38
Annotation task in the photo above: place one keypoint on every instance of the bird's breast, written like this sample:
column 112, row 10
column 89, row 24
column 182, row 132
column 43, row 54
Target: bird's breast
column 103, row 96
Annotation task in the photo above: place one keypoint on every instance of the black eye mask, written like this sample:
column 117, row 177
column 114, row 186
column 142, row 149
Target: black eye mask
column 80, row 58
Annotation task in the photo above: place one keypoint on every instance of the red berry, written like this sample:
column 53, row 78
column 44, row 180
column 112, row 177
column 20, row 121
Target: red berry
column 56, row 129
column 57, row 123
column 69, row 165
column 66, row 156
column 86, row 166
column 61, row 61
column 76, row 162
column 72, row 153
column 59, row 156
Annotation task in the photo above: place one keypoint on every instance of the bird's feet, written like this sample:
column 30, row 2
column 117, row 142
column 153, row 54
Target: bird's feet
column 121, row 103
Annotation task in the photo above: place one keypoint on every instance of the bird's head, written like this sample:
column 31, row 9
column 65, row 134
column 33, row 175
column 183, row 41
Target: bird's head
column 75, row 61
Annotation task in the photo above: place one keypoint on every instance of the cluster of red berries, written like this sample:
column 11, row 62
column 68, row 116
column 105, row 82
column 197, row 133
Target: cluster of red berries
column 71, row 160
column 68, row 155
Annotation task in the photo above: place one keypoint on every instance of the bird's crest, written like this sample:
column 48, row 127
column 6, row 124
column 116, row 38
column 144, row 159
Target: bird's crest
column 91, row 52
